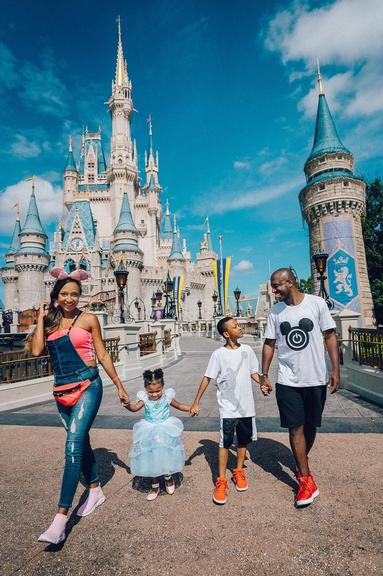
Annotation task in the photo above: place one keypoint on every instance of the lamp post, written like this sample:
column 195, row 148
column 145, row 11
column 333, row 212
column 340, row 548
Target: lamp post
column 153, row 302
column 237, row 295
column 320, row 261
column 168, row 287
column 121, row 275
column 199, row 304
column 215, row 298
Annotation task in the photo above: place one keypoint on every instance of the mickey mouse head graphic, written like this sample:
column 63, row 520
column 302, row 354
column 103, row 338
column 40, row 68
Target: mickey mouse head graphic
column 297, row 338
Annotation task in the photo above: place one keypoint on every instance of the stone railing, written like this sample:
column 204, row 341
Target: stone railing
column 147, row 343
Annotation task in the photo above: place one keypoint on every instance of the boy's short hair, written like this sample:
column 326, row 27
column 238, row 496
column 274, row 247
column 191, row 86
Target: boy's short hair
column 221, row 324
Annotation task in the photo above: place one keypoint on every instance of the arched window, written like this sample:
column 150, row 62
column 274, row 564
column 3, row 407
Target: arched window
column 84, row 264
column 70, row 265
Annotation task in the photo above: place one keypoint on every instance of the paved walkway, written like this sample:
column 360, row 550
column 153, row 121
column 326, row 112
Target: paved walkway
column 344, row 412
column 258, row 532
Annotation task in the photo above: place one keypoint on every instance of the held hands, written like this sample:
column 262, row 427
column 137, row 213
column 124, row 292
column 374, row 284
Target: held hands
column 266, row 386
column 123, row 396
column 194, row 409
column 334, row 381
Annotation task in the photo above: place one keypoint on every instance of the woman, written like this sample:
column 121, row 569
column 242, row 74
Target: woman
column 74, row 341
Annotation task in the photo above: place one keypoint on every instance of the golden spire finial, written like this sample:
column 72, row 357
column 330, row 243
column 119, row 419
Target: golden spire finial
column 320, row 84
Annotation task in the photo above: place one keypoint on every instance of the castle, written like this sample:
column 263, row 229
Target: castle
column 110, row 220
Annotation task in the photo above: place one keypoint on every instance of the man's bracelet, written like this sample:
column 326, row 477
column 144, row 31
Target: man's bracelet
column 115, row 379
column 264, row 375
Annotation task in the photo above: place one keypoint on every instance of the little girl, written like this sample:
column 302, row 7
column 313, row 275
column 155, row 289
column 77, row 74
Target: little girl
column 157, row 445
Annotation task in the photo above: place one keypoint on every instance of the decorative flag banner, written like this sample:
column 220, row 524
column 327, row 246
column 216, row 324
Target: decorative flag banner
column 222, row 277
column 226, row 278
column 178, row 282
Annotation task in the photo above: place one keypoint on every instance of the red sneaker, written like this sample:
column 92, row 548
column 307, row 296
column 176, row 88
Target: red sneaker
column 219, row 496
column 239, row 479
column 307, row 491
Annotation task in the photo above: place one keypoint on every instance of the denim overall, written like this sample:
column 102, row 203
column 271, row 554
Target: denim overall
column 69, row 367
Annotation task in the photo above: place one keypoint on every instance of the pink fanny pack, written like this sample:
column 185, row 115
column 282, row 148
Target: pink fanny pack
column 69, row 394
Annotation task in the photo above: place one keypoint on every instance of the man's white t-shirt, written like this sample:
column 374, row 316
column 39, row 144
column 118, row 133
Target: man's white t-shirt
column 298, row 332
column 232, row 371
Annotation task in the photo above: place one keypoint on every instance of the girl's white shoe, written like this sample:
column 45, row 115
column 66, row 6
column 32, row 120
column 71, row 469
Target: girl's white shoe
column 154, row 492
column 170, row 489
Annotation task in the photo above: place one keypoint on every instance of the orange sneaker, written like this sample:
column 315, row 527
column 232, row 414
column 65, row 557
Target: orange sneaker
column 307, row 491
column 239, row 479
column 219, row 496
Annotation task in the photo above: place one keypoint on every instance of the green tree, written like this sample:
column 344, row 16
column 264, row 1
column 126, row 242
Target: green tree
column 373, row 239
column 306, row 285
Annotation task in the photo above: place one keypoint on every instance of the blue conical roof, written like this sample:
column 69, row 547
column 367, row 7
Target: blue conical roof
column 125, row 222
column 176, row 252
column 167, row 231
column 326, row 139
column 32, row 223
column 15, row 243
column 70, row 163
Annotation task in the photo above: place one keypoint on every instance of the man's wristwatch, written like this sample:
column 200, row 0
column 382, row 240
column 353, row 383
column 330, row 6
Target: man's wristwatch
column 264, row 375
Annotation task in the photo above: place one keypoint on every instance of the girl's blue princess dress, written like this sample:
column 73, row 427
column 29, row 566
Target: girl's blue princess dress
column 157, row 445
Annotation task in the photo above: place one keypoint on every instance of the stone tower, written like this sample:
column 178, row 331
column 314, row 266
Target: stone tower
column 333, row 203
column 32, row 258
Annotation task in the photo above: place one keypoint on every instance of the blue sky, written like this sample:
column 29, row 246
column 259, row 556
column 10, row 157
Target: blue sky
column 232, row 92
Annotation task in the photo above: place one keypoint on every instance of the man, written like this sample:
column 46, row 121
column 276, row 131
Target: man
column 300, row 324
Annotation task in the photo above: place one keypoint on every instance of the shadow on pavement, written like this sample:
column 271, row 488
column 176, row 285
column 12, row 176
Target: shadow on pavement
column 144, row 484
column 107, row 460
column 209, row 449
column 271, row 456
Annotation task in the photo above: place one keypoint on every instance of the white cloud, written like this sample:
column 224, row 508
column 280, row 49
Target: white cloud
column 243, row 265
column 272, row 165
column 24, row 148
column 242, row 165
column 343, row 33
column 48, row 198
column 222, row 201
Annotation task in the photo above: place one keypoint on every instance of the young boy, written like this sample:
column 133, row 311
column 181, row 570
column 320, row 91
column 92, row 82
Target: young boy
column 233, row 367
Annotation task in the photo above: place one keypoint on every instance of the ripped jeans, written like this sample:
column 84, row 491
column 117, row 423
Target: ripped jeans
column 79, row 456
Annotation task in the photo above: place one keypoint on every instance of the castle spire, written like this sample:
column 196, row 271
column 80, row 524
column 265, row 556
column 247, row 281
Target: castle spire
column 15, row 242
column 121, row 71
column 208, row 235
column 326, row 139
column 167, row 232
column 70, row 163
column 320, row 85
column 151, row 161
column 176, row 252
column 125, row 222
column 32, row 224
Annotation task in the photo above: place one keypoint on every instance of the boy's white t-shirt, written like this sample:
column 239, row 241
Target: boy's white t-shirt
column 232, row 371
column 298, row 331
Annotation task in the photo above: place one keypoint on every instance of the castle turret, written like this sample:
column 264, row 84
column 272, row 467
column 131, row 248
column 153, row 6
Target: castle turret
column 151, row 160
column 125, row 248
column 8, row 272
column 333, row 203
column 32, row 258
column 70, row 177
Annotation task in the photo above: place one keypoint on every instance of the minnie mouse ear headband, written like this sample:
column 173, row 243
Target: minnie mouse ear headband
column 61, row 274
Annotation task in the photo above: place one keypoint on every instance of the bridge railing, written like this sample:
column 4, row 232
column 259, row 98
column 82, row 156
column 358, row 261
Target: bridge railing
column 367, row 346
column 16, row 366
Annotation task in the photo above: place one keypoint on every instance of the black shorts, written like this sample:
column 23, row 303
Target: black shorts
column 300, row 406
column 244, row 429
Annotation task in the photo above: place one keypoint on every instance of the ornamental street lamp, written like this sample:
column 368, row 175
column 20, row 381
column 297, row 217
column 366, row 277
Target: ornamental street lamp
column 320, row 261
column 168, row 289
column 215, row 298
column 121, row 275
column 153, row 301
column 237, row 295
column 199, row 304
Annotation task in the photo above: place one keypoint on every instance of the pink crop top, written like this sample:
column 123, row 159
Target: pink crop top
column 81, row 339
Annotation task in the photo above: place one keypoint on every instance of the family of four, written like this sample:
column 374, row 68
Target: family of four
column 301, row 327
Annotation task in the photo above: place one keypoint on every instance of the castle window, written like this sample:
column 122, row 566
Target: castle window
column 91, row 178
column 70, row 265
column 90, row 165
column 84, row 264
column 346, row 183
column 322, row 187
